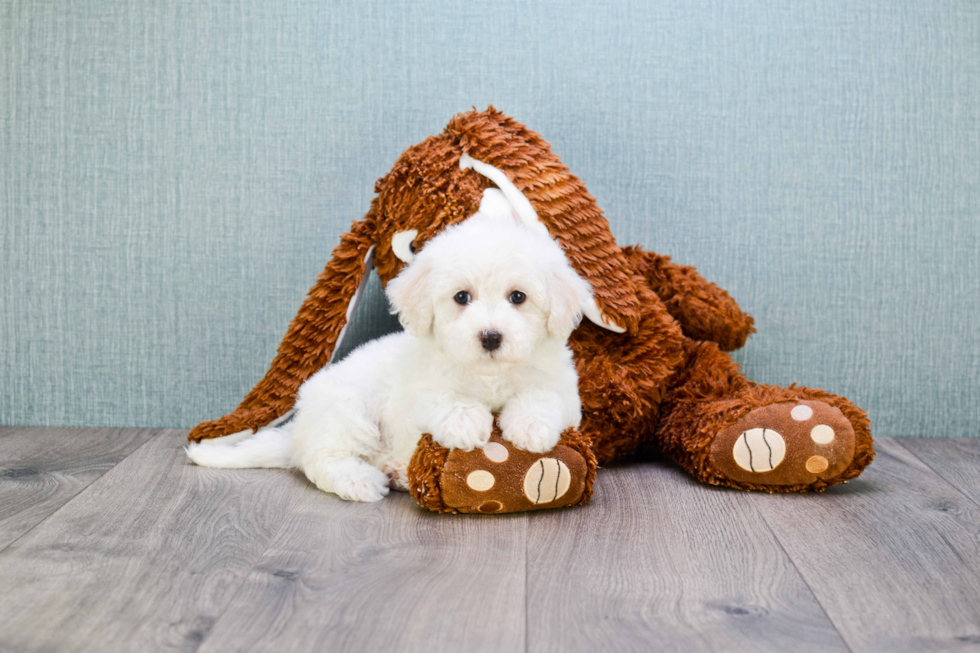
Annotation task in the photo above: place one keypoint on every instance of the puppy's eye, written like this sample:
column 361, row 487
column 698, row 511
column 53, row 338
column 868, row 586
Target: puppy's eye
column 412, row 248
column 462, row 298
column 517, row 297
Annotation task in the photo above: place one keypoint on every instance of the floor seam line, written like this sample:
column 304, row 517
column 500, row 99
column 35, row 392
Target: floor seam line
column 799, row 573
column 83, row 490
column 527, row 542
column 936, row 472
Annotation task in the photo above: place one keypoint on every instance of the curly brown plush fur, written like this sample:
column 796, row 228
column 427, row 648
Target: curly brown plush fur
column 664, row 381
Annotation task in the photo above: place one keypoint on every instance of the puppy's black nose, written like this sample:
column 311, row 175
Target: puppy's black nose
column 491, row 339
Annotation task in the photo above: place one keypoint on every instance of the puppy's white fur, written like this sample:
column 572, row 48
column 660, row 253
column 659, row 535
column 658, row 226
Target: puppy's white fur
column 358, row 422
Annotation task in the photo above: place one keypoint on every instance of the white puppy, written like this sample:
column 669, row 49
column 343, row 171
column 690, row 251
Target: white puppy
column 488, row 306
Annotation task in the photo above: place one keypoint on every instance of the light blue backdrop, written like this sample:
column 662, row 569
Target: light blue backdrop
column 174, row 174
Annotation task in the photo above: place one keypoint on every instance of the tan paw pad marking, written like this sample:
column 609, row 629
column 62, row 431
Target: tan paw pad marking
column 801, row 413
column 490, row 507
column 817, row 464
column 822, row 434
column 759, row 450
column 496, row 452
column 546, row 481
column 480, row 480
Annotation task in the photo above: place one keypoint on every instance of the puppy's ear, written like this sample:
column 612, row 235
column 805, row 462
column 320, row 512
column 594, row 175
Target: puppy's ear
column 409, row 296
column 568, row 295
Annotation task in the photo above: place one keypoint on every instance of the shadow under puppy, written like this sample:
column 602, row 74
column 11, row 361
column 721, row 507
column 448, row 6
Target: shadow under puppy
column 488, row 306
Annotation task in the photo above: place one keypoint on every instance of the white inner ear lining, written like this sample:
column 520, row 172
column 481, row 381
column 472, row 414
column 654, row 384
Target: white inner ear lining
column 529, row 217
column 495, row 204
column 521, row 205
column 401, row 244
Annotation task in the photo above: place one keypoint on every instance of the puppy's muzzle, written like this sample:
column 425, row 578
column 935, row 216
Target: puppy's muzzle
column 491, row 339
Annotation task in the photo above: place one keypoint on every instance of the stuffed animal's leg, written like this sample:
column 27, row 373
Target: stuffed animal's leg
column 704, row 311
column 310, row 341
column 726, row 430
column 499, row 477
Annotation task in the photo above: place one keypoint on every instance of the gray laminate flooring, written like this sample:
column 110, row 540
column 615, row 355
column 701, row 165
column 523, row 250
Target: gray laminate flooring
column 111, row 541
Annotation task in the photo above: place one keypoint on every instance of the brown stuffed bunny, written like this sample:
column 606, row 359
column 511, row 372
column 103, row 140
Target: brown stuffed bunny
column 650, row 355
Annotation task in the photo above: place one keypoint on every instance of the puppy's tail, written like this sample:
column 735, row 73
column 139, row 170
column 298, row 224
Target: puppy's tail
column 267, row 448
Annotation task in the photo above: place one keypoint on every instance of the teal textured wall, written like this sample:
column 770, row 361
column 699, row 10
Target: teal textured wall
column 174, row 174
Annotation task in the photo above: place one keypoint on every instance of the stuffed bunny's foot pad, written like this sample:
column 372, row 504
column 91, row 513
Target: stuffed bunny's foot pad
column 500, row 478
column 787, row 443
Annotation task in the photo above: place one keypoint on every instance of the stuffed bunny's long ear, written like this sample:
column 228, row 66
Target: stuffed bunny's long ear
column 313, row 337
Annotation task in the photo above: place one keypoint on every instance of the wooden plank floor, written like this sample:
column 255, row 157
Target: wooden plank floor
column 110, row 540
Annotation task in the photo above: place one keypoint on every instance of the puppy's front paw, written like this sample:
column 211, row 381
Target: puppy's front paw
column 528, row 431
column 349, row 479
column 533, row 421
column 464, row 427
column 534, row 437
column 367, row 485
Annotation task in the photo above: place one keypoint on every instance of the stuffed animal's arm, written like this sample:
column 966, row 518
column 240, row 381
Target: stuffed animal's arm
column 310, row 341
column 704, row 311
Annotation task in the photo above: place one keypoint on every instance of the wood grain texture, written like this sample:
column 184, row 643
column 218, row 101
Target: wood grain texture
column 146, row 559
column 893, row 557
column 43, row 468
column 157, row 554
column 385, row 576
column 659, row 562
column 956, row 459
